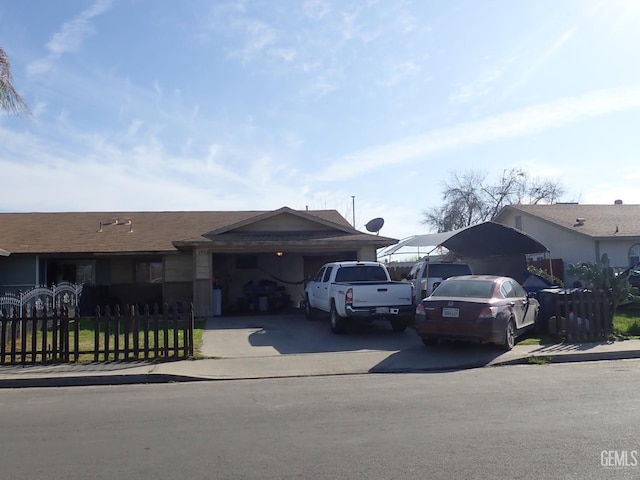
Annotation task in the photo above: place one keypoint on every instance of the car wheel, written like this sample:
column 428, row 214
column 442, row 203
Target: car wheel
column 309, row 311
column 430, row 340
column 337, row 322
column 399, row 325
column 509, row 336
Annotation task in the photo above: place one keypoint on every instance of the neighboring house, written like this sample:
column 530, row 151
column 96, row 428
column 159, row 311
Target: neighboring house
column 580, row 233
column 220, row 261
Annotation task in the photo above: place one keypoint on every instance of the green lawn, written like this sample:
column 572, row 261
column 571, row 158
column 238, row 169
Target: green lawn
column 627, row 321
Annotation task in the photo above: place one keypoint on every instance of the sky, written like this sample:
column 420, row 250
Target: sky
column 160, row 105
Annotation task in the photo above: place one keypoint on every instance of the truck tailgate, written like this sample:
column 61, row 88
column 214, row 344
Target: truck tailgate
column 382, row 295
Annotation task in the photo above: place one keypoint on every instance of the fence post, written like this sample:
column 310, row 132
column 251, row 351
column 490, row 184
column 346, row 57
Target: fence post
column 126, row 326
column 3, row 335
column 96, row 334
column 166, row 330
column 116, row 331
column 176, row 321
column 156, row 331
column 107, row 330
column 608, row 313
column 14, row 339
column 76, row 334
column 188, row 334
column 145, row 331
column 34, row 340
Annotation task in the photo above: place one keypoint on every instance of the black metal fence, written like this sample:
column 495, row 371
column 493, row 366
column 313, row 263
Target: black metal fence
column 124, row 334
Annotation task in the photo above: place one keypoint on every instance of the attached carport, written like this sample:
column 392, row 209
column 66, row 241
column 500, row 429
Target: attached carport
column 489, row 247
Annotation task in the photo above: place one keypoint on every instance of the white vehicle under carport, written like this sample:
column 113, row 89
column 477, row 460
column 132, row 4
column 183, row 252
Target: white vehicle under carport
column 426, row 275
column 359, row 290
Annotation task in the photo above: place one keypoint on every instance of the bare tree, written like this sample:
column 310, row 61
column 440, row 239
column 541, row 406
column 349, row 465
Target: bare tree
column 468, row 198
column 10, row 99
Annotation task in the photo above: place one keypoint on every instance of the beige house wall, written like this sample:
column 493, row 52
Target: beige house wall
column 618, row 251
column 564, row 244
column 178, row 278
column 367, row 254
column 283, row 223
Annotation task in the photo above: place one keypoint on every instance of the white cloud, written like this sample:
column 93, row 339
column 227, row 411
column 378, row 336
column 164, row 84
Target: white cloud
column 401, row 71
column 480, row 87
column 526, row 121
column 69, row 38
column 537, row 63
column 316, row 9
column 258, row 37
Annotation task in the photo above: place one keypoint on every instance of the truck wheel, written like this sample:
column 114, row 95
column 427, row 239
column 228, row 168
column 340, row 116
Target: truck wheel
column 398, row 325
column 337, row 322
column 309, row 311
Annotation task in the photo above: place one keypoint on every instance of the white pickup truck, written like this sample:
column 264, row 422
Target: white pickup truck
column 349, row 290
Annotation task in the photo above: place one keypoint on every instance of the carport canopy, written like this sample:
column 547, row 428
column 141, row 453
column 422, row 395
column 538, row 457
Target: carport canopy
column 487, row 239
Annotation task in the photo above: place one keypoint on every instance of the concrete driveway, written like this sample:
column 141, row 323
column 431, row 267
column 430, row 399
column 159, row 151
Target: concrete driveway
column 376, row 346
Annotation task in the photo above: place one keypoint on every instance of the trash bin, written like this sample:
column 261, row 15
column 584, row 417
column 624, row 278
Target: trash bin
column 263, row 303
column 217, row 302
column 547, row 298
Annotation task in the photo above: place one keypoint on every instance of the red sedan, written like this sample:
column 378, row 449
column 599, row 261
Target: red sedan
column 482, row 308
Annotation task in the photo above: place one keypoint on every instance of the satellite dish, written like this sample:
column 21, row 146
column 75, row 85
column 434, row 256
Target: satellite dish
column 375, row 225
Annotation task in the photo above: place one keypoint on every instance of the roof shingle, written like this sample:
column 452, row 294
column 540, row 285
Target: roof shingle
column 598, row 221
column 78, row 232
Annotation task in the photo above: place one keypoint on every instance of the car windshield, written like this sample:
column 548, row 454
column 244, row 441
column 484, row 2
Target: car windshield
column 465, row 288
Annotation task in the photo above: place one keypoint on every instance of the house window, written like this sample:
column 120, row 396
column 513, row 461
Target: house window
column 149, row 272
column 519, row 222
column 634, row 255
column 85, row 273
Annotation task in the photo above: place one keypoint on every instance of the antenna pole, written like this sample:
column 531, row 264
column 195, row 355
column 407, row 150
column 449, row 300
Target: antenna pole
column 353, row 203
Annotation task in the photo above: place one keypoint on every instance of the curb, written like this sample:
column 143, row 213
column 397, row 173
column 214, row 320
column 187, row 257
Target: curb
column 572, row 358
column 97, row 380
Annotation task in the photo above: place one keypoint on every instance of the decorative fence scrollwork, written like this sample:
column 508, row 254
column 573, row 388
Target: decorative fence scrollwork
column 38, row 300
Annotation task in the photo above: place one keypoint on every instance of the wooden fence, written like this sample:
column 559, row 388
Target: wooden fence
column 121, row 335
column 580, row 314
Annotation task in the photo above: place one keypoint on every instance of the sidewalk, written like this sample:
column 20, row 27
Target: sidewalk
column 417, row 359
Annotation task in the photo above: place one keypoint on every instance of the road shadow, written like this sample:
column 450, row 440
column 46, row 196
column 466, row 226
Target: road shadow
column 445, row 356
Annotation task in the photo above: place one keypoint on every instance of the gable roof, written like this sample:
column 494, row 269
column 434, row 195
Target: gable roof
column 146, row 232
column 596, row 221
column 339, row 222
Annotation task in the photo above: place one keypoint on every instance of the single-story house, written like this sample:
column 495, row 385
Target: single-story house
column 578, row 233
column 222, row 261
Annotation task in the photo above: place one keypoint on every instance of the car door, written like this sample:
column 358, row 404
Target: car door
column 322, row 289
column 519, row 301
column 316, row 287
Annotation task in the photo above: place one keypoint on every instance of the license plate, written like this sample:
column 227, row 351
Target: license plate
column 450, row 312
column 380, row 310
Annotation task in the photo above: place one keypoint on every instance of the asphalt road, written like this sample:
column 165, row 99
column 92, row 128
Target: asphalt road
column 516, row 422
